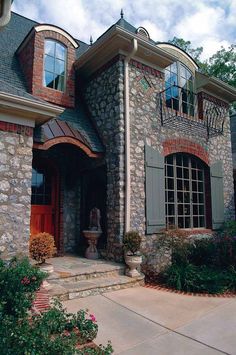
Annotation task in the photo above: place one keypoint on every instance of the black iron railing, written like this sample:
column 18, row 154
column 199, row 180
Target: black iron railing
column 191, row 111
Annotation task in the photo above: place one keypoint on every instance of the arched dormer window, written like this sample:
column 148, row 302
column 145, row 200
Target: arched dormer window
column 179, row 88
column 54, row 65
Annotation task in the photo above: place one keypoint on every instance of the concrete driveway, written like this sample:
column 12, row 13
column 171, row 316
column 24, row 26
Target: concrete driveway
column 143, row 321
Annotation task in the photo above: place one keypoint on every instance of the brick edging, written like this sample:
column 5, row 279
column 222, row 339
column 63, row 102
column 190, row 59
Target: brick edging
column 171, row 290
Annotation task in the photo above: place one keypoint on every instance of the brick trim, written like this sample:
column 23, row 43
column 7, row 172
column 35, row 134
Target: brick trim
column 16, row 128
column 183, row 145
column 146, row 69
column 205, row 96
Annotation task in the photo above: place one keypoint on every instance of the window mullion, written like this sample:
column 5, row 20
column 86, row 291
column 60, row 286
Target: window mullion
column 175, row 191
column 191, row 191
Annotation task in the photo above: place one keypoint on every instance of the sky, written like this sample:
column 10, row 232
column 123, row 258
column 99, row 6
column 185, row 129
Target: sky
column 207, row 23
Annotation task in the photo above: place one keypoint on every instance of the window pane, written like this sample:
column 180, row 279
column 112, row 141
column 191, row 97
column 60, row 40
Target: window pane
column 170, row 171
column 49, row 63
column 179, row 172
column 186, row 197
column 179, row 184
column 170, row 184
column 170, row 196
column 186, row 174
column 180, row 209
column 60, row 51
column 48, row 79
column 59, row 66
column 180, row 222
column 49, row 47
column 187, row 222
column 171, row 210
column 59, row 82
column 187, row 209
column 180, row 197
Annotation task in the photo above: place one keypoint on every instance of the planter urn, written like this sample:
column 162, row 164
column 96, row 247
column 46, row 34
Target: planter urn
column 133, row 262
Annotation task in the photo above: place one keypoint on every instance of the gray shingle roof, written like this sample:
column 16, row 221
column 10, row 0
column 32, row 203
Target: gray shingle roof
column 12, row 80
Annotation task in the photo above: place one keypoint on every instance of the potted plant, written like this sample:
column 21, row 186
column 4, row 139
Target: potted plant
column 42, row 247
column 133, row 258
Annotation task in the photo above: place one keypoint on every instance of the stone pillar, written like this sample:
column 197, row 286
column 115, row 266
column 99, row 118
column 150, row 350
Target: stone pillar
column 15, row 188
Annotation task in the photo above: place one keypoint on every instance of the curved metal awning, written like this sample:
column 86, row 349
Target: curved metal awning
column 58, row 132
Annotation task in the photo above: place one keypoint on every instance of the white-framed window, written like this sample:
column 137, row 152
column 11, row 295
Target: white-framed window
column 55, row 55
column 179, row 88
column 185, row 201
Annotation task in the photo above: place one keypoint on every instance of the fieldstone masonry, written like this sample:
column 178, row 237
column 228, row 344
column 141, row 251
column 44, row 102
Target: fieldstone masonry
column 104, row 97
column 146, row 128
column 15, row 192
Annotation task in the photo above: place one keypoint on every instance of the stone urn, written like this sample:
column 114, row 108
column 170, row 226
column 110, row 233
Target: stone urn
column 133, row 262
column 92, row 238
column 93, row 233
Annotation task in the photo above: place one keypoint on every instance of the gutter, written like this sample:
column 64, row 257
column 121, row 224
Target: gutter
column 8, row 100
column 127, row 133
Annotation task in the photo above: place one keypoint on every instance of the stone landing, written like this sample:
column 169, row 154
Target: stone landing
column 76, row 277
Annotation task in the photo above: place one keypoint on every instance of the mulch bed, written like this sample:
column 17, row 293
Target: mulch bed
column 155, row 286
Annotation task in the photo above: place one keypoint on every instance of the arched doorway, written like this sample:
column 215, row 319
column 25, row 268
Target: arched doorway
column 44, row 199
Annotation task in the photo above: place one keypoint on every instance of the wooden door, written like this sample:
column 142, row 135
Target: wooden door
column 43, row 201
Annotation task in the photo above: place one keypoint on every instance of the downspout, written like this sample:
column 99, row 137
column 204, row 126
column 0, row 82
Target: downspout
column 127, row 133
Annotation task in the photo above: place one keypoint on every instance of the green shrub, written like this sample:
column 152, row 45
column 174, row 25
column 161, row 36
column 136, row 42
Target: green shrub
column 85, row 324
column 192, row 278
column 18, row 282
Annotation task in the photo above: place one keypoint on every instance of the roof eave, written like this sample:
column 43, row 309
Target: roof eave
column 39, row 112
column 216, row 86
column 116, row 32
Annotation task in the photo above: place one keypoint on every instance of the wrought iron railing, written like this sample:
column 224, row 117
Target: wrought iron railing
column 191, row 111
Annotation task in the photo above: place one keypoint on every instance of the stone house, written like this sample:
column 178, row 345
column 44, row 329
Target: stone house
column 125, row 124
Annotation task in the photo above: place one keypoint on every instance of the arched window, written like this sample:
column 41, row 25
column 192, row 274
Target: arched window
column 179, row 88
column 54, row 65
column 185, row 191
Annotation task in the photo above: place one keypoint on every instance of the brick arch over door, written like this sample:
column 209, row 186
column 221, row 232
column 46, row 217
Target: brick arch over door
column 183, row 145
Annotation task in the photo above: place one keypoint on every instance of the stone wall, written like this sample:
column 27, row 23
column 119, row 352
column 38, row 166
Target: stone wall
column 15, row 192
column 104, row 97
column 146, row 128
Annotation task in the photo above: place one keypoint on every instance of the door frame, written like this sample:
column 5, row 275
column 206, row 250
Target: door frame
column 49, row 165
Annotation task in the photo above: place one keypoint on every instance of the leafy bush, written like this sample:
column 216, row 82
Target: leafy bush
column 132, row 242
column 202, row 265
column 192, row 278
column 53, row 332
column 85, row 326
column 42, row 247
column 18, row 282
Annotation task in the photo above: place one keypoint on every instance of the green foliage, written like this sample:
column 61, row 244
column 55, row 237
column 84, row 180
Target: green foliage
column 195, row 53
column 100, row 350
column 85, row 324
column 202, row 265
column 222, row 65
column 53, row 332
column 18, row 282
column 192, row 278
column 132, row 242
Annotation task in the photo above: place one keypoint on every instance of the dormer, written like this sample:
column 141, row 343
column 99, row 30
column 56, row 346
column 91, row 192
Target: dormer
column 47, row 56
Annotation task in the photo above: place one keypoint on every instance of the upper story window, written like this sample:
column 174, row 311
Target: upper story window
column 179, row 88
column 54, row 65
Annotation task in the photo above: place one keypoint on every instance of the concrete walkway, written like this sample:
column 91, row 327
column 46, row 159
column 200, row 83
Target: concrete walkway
column 142, row 321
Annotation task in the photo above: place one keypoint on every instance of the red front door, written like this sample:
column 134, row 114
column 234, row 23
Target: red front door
column 43, row 201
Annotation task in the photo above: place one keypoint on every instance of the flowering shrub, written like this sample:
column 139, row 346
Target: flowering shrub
column 53, row 332
column 42, row 247
column 84, row 325
column 18, row 282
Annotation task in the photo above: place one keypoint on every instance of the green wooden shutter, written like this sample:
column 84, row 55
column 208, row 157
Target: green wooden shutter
column 217, row 195
column 155, row 190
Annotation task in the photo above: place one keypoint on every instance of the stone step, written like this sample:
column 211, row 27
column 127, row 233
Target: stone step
column 92, row 287
column 86, row 272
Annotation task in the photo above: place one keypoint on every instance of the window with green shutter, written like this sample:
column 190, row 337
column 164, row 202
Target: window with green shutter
column 179, row 192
